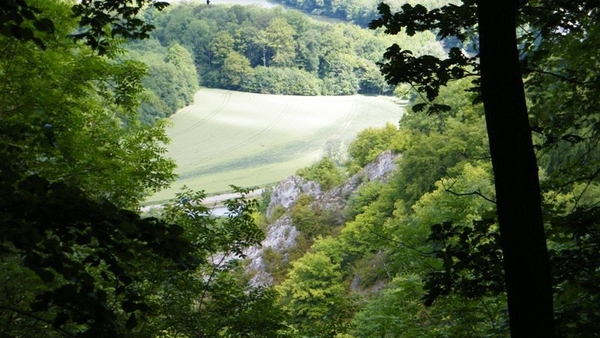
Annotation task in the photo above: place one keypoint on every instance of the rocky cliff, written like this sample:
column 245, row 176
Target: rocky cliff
column 281, row 234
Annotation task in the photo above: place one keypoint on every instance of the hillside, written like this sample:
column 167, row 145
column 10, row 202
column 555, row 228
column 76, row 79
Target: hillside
column 246, row 139
column 259, row 50
column 282, row 235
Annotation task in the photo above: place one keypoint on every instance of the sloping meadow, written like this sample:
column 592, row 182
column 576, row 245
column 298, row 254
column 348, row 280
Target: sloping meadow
column 246, row 139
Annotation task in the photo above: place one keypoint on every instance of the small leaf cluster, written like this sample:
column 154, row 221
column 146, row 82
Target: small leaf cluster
column 21, row 21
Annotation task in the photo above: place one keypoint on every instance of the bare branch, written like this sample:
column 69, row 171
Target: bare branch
column 562, row 77
column 476, row 193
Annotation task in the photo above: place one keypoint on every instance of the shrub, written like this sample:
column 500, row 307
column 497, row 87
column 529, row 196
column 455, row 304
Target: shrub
column 324, row 172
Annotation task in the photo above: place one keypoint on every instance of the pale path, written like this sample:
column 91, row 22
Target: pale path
column 219, row 199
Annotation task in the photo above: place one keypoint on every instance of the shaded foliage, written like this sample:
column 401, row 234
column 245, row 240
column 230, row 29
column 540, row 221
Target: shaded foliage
column 82, row 252
column 75, row 161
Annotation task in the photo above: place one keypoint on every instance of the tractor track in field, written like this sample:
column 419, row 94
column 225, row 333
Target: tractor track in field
column 249, row 140
column 209, row 116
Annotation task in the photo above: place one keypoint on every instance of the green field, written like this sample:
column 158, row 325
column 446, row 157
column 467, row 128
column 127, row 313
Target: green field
column 245, row 139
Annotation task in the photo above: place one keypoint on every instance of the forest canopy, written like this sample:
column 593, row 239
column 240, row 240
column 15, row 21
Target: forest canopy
column 268, row 51
column 418, row 255
column 76, row 257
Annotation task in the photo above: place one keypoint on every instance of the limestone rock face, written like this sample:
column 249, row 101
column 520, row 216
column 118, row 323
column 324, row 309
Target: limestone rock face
column 281, row 235
column 288, row 190
column 381, row 169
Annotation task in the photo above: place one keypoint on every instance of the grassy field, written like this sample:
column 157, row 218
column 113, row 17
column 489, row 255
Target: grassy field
column 246, row 139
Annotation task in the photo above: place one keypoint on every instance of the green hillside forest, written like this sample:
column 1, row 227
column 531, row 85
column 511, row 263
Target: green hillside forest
column 266, row 51
column 488, row 225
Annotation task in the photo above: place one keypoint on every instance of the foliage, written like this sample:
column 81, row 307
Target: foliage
column 236, row 69
column 422, row 250
column 285, row 81
column 383, row 244
column 280, row 37
column 575, row 239
column 215, row 299
column 360, row 12
column 311, row 220
column 399, row 310
column 324, row 172
column 73, row 158
column 288, row 53
column 83, row 254
column 99, row 23
column 549, row 83
column 361, row 200
column 16, row 15
column 75, row 121
column 369, row 144
column 313, row 294
column 170, row 82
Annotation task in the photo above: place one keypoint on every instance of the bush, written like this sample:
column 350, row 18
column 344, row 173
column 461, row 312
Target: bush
column 369, row 144
column 324, row 172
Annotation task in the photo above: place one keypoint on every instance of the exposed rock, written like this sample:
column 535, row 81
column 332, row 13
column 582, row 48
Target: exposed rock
column 282, row 234
column 288, row 190
column 379, row 170
column 383, row 166
column 280, row 237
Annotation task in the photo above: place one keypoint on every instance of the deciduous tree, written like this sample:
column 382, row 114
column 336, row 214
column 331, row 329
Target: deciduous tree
column 526, row 262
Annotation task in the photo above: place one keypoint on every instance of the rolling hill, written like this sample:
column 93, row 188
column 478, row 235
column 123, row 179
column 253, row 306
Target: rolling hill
column 246, row 139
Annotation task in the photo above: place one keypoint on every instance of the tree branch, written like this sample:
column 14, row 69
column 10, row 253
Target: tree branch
column 559, row 76
column 64, row 332
column 476, row 193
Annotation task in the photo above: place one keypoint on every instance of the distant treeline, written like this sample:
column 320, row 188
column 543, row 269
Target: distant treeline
column 360, row 12
column 258, row 50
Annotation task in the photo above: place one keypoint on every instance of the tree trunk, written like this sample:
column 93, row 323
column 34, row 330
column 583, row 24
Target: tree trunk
column 526, row 263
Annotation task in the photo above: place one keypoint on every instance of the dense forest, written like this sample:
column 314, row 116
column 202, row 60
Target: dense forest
column 420, row 255
column 260, row 50
column 360, row 12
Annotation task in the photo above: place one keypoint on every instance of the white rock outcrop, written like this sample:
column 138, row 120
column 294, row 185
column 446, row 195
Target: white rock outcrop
column 288, row 190
column 281, row 235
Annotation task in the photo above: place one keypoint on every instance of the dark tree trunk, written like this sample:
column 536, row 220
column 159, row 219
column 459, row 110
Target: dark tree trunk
column 526, row 263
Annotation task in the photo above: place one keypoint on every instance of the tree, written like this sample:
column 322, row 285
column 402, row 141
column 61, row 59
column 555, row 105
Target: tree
column 187, row 77
column 75, row 118
column 526, row 262
column 99, row 21
column 371, row 80
column 313, row 294
column 236, row 69
column 215, row 299
column 323, row 172
column 220, row 47
column 368, row 144
column 76, row 263
column 171, row 80
column 518, row 198
column 280, row 37
column 339, row 77
column 73, row 159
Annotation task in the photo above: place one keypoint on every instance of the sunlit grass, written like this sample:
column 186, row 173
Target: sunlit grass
column 246, row 139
